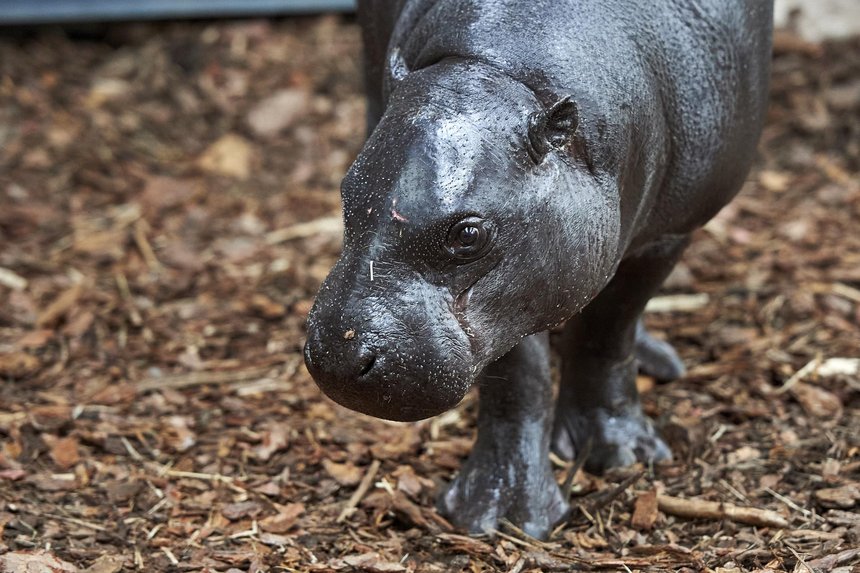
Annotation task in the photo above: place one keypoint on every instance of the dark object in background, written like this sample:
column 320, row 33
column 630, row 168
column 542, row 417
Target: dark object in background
column 531, row 163
column 65, row 11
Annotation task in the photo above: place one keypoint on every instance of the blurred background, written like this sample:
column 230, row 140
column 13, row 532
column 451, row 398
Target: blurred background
column 169, row 204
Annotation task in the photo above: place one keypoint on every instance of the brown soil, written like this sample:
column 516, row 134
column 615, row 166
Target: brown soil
column 155, row 414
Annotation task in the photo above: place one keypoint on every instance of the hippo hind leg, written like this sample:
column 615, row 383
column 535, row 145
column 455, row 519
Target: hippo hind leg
column 656, row 357
column 508, row 474
column 598, row 401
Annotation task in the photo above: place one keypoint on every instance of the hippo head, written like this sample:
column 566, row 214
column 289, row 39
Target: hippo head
column 471, row 221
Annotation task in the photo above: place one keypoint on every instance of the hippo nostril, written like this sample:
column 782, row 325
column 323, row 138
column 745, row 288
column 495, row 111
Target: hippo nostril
column 368, row 359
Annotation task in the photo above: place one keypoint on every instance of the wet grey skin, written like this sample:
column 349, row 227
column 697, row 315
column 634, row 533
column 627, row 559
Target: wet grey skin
column 531, row 164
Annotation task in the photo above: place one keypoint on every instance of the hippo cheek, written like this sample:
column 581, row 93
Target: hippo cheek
column 403, row 368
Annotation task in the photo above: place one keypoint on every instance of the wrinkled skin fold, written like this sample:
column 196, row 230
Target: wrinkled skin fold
column 522, row 171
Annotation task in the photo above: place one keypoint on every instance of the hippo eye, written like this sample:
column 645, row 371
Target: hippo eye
column 468, row 236
column 468, row 239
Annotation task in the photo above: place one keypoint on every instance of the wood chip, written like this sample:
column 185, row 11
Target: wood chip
column 59, row 306
column 106, row 564
column 677, row 303
column 284, row 520
column 11, row 280
column 844, row 497
column 34, row 562
column 645, row 511
column 373, row 563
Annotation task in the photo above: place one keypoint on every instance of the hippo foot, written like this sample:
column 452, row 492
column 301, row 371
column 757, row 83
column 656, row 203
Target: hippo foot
column 617, row 439
column 484, row 493
column 656, row 357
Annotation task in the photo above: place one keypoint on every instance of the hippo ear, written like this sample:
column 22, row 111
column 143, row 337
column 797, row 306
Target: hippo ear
column 552, row 128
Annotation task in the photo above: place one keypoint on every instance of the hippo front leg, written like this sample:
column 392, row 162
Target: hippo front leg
column 598, row 400
column 508, row 475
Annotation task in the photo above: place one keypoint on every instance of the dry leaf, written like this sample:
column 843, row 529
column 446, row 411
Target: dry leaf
column 843, row 497
column 178, row 435
column 17, row 365
column 230, row 156
column 120, row 491
column 241, row 510
column 36, row 338
column 266, row 307
column 50, row 417
column 13, row 474
column 65, row 453
column 408, row 511
column 161, row 193
column 410, row 483
column 35, row 562
column 743, row 454
column 583, row 540
column 106, row 564
column 284, row 520
column 777, row 181
column 345, row 474
column 817, row 401
column 274, row 440
column 278, row 112
column 373, row 563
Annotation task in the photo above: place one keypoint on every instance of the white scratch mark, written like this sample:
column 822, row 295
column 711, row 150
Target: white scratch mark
column 371, row 271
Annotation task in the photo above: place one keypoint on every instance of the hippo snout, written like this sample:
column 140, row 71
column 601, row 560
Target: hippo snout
column 351, row 361
column 403, row 366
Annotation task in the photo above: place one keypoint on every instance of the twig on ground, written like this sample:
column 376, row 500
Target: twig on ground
column 810, row 367
column 566, row 489
column 200, row 378
column 321, row 226
column 702, row 509
column 800, row 560
column 170, row 556
column 605, row 499
column 791, row 504
column 677, row 303
column 522, row 534
column 516, row 540
column 144, row 246
column 360, row 491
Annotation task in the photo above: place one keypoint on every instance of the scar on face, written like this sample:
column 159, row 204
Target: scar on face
column 394, row 214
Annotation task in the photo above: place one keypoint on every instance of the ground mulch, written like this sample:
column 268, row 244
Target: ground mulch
column 168, row 207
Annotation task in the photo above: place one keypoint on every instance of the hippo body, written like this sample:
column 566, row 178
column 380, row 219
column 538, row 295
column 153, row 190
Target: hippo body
column 531, row 163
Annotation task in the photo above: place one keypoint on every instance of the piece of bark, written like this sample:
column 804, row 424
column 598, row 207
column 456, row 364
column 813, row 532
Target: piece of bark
column 645, row 511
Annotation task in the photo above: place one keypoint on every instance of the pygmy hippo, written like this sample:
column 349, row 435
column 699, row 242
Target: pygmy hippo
column 531, row 163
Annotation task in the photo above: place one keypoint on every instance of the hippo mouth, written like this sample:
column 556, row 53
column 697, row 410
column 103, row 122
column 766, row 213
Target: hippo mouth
column 402, row 401
column 404, row 382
